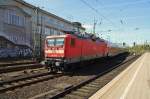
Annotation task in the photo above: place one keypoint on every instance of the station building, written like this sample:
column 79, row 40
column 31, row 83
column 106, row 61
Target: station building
column 23, row 28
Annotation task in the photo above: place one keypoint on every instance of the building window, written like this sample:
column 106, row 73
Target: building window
column 47, row 31
column 55, row 32
column 52, row 32
column 61, row 33
column 12, row 18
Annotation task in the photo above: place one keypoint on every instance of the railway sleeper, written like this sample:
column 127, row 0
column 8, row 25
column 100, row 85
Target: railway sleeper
column 35, row 79
column 89, row 88
column 98, row 81
column 92, row 85
column 1, row 88
column 72, row 96
column 7, row 86
column 83, row 90
column 22, row 82
column 80, row 93
column 95, row 83
column 89, row 91
column 51, row 94
column 15, row 83
column 28, row 80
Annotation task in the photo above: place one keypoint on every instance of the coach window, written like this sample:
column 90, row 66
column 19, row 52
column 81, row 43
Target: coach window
column 72, row 42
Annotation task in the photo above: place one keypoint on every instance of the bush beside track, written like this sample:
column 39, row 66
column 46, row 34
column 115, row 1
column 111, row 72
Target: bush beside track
column 139, row 49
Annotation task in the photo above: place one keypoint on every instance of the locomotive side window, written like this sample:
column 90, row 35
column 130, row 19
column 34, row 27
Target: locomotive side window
column 72, row 42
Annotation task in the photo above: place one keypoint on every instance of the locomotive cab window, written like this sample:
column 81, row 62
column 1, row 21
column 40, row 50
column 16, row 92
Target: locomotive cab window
column 72, row 42
column 50, row 42
column 55, row 42
column 59, row 41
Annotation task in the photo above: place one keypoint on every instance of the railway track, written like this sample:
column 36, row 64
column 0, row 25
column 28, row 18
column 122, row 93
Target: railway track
column 12, row 63
column 84, row 89
column 26, row 80
column 19, row 66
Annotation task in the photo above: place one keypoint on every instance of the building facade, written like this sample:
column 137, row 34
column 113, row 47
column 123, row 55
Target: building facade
column 26, row 26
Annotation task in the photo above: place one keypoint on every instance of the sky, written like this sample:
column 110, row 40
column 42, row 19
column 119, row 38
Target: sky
column 116, row 20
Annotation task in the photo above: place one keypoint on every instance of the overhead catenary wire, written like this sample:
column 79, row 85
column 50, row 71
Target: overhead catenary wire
column 96, row 11
column 123, row 4
column 121, row 21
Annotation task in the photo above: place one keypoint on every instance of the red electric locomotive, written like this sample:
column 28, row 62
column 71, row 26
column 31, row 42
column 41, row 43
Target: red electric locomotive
column 65, row 49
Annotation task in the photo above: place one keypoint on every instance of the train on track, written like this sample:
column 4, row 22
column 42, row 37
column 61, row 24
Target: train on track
column 71, row 48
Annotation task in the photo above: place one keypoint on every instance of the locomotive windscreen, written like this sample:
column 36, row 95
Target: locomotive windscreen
column 55, row 41
column 50, row 42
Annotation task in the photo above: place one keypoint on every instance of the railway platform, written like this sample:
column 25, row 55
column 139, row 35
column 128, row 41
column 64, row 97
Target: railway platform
column 132, row 83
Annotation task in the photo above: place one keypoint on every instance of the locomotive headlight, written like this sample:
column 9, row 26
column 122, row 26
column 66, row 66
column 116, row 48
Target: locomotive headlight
column 46, row 51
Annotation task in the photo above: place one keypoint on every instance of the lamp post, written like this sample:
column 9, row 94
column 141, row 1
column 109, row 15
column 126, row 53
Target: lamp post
column 35, row 33
column 41, row 31
column 37, row 53
column 94, row 26
column 37, row 48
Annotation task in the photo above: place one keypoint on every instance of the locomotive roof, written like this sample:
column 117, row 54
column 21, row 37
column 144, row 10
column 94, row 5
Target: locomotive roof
column 56, row 36
column 85, row 36
column 81, row 36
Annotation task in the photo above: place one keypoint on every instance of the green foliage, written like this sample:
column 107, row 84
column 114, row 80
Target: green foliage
column 139, row 49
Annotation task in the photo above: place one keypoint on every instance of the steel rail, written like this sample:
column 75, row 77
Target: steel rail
column 19, row 67
column 24, row 81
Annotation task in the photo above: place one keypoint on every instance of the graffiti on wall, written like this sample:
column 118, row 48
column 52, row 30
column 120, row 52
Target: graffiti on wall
column 15, row 52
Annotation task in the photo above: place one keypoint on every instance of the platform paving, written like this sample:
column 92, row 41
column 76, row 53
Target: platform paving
column 132, row 83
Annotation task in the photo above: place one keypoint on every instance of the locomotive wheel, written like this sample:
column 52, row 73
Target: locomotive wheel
column 52, row 69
